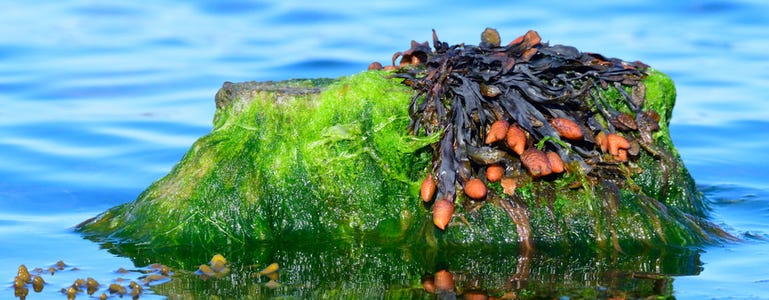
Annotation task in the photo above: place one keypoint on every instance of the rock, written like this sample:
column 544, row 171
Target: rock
column 306, row 161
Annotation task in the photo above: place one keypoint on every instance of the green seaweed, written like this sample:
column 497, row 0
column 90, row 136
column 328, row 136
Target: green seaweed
column 287, row 167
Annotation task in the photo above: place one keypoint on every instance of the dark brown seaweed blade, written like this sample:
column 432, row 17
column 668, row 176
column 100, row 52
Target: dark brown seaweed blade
column 462, row 89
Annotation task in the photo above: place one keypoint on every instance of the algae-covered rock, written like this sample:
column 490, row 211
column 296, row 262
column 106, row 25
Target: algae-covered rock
column 318, row 160
column 285, row 161
column 436, row 177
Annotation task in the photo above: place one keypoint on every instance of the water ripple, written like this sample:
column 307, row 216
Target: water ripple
column 231, row 7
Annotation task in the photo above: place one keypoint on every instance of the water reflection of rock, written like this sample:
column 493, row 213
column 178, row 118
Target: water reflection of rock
column 361, row 271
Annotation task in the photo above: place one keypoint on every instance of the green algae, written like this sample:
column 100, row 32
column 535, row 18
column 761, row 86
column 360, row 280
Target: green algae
column 287, row 166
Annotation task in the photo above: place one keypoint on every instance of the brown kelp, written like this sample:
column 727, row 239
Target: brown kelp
column 535, row 109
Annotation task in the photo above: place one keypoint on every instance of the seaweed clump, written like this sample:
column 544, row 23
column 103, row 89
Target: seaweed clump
column 522, row 112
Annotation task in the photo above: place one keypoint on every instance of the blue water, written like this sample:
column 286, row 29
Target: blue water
column 99, row 98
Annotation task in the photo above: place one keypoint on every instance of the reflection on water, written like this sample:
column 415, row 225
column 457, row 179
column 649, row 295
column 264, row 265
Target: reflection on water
column 99, row 99
column 359, row 271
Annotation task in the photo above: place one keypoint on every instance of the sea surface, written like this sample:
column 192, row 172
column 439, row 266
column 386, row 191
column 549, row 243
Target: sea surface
column 98, row 99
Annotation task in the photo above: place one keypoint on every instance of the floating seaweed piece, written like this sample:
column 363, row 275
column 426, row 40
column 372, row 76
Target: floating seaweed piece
column 271, row 271
column 21, row 292
column 18, row 282
column 219, row 263
column 115, row 288
column 37, row 284
column 23, row 274
column 136, row 290
column 71, row 292
column 272, row 284
column 271, row 268
column 60, row 265
column 217, row 267
column 545, row 98
column 91, row 285
column 154, row 279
